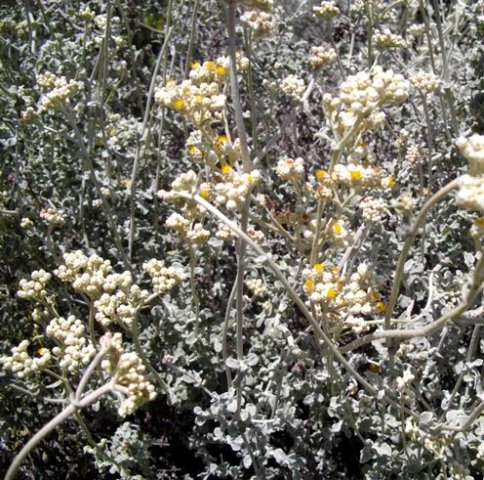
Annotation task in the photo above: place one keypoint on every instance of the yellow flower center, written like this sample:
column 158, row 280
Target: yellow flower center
column 226, row 169
column 320, row 174
column 331, row 293
column 309, row 285
column 179, row 104
column 337, row 229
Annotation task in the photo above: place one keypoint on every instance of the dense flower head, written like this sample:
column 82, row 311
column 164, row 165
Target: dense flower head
column 322, row 55
column 233, row 186
column 35, row 288
column 259, row 22
column 472, row 149
column 362, row 96
column 293, row 86
column 73, row 349
column 128, row 372
column 426, row 82
column 22, row 364
column 327, row 10
column 164, row 278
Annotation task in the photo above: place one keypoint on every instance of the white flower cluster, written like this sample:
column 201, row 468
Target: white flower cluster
column 327, row 10
column 414, row 154
column 257, row 287
column 354, row 299
column 164, row 278
column 373, row 209
column 122, row 303
column 471, row 186
column 35, row 288
column 116, row 298
column 472, row 149
column 87, row 14
column 387, row 39
column 200, row 98
column 259, row 22
column 87, row 275
column 361, row 98
column 293, row 86
column 22, row 364
column 184, row 183
column 233, row 188
column 74, row 349
column 322, row 285
column 195, row 234
column 128, row 373
column 58, row 90
column 290, row 169
column 425, row 82
column 320, row 56
column 53, row 217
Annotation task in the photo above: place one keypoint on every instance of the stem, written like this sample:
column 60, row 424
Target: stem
column 442, row 193
column 234, row 87
column 54, row 423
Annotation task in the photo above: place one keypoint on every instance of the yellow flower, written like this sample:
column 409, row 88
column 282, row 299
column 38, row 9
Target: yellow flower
column 331, row 293
column 221, row 70
column 195, row 65
column 179, row 104
column 320, row 174
column 209, row 65
column 381, row 307
column 309, row 285
column 337, row 229
column 319, row 267
column 391, row 182
column 205, row 193
column 226, row 169
column 355, row 175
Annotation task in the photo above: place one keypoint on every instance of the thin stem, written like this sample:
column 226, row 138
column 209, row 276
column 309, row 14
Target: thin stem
column 442, row 193
column 54, row 423
column 234, row 87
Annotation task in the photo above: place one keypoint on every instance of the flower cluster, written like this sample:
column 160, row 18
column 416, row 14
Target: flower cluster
column 471, row 185
column 22, row 364
column 73, row 348
column 58, row 90
column 356, row 176
column 233, row 187
column 35, row 288
column 320, row 56
column 116, row 298
column 373, row 209
column 200, row 97
column 194, row 233
column 53, row 217
column 218, row 150
column 361, row 98
column 352, row 299
column 164, row 278
column 425, row 82
column 387, row 39
column 327, row 10
column 290, row 169
column 128, row 374
column 259, row 22
column 293, row 86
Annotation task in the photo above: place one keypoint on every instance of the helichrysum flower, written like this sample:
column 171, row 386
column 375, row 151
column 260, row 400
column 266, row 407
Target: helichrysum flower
column 293, row 86
column 321, row 55
column 425, row 82
column 327, row 10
